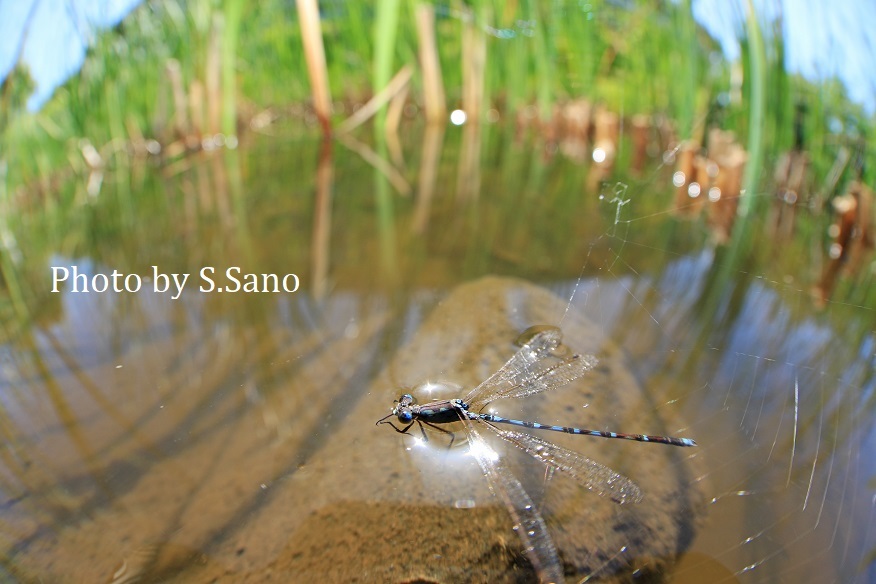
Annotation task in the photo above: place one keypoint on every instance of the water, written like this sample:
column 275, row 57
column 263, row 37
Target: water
column 230, row 436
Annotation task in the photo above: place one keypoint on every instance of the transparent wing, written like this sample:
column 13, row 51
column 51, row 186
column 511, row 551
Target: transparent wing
column 530, row 371
column 528, row 522
column 595, row 476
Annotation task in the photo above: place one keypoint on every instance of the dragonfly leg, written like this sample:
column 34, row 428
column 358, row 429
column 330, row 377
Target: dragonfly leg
column 396, row 428
column 422, row 430
column 440, row 429
column 381, row 420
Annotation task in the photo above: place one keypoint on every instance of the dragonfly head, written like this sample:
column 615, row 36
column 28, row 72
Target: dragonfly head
column 402, row 410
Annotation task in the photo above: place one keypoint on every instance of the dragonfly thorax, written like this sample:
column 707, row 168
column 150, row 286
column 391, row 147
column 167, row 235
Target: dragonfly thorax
column 458, row 403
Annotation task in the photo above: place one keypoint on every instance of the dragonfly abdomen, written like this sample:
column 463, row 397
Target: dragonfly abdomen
column 586, row 432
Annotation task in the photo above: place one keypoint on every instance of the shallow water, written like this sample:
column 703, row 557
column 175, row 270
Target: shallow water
column 229, row 437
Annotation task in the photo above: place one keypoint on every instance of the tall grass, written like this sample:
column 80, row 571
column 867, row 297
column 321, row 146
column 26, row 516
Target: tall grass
column 652, row 57
column 756, row 107
column 233, row 11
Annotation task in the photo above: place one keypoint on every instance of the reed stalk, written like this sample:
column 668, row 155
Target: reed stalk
column 685, row 82
column 311, row 33
column 543, row 64
column 374, row 105
column 180, row 107
column 757, row 76
column 230, row 33
column 196, row 106
column 385, row 34
column 213, row 76
column 474, row 56
column 430, row 65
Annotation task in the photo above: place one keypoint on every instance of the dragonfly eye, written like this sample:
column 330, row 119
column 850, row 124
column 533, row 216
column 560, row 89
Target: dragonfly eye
column 405, row 415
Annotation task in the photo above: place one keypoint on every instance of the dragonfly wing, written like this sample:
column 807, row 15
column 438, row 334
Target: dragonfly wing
column 531, row 370
column 590, row 474
column 528, row 522
column 551, row 377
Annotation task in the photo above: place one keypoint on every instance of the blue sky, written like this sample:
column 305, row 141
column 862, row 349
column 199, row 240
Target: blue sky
column 824, row 38
column 51, row 36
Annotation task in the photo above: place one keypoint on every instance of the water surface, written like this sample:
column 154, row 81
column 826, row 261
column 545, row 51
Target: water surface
column 229, row 437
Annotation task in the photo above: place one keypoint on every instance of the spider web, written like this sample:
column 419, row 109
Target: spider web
column 777, row 389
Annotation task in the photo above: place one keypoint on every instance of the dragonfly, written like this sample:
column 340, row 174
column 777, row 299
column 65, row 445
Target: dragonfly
column 540, row 365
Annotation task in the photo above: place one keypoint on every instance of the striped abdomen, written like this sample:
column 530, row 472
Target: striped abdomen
column 568, row 430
